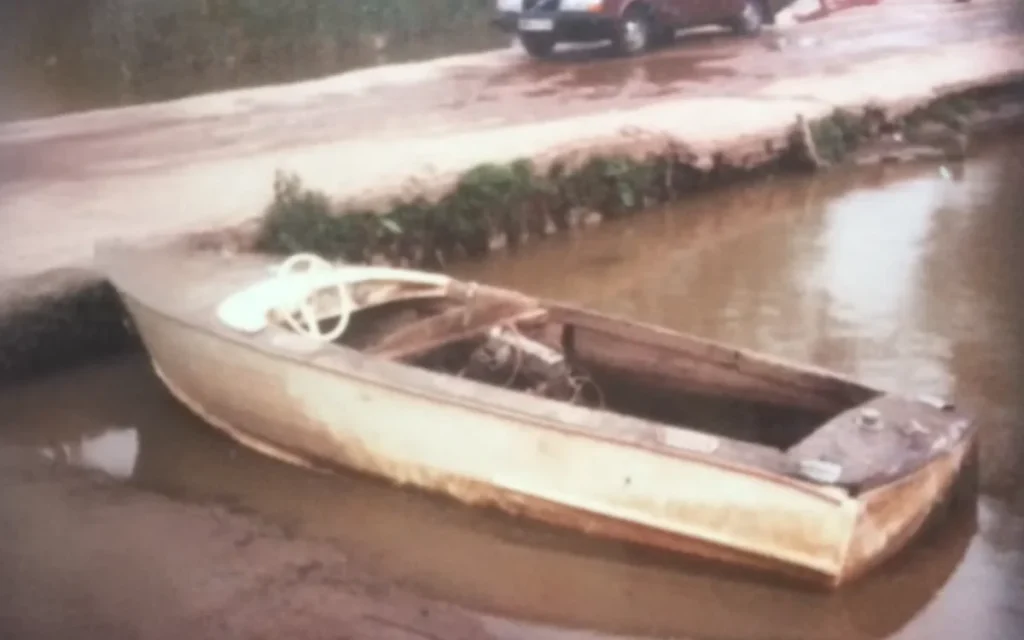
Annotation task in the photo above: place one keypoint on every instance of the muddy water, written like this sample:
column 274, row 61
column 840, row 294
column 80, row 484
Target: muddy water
column 905, row 277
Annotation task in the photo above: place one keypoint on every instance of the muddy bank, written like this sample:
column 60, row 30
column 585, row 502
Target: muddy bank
column 501, row 206
column 225, row 575
column 67, row 316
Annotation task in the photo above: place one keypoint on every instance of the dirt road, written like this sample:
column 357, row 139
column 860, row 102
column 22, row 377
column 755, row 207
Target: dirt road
column 209, row 160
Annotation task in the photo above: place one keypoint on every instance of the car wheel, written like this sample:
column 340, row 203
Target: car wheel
column 538, row 45
column 634, row 32
column 751, row 19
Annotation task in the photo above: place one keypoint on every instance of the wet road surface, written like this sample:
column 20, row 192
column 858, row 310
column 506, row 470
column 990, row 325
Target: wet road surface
column 906, row 277
column 386, row 132
column 479, row 91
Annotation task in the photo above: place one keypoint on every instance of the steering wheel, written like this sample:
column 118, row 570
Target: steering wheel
column 307, row 323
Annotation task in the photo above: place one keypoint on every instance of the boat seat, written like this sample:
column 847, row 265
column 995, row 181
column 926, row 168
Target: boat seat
column 451, row 327
column 249, row 310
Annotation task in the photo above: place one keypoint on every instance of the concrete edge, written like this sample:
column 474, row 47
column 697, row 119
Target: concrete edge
column 57, row 319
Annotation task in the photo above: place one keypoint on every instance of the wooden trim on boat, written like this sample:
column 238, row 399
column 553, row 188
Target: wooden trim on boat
column 401, row 352
column 742, row 361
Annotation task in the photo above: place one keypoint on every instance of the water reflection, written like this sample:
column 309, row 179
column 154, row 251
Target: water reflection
column 113, row 452
column 870, row 261
column 983, row 599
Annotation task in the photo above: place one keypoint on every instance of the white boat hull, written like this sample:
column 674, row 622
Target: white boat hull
column 598, row 472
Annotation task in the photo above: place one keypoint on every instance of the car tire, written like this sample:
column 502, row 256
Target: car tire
column 751, row 19
column 635, row 32
column 538, row 45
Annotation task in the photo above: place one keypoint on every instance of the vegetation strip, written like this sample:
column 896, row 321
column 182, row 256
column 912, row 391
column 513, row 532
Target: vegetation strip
column 501, row 206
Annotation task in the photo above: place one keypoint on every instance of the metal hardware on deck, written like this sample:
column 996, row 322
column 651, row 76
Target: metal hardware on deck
column 870, row 419
column 916, row 433
column 914, row 427
column 820, row 471
column 937, row 403
column 959, row 428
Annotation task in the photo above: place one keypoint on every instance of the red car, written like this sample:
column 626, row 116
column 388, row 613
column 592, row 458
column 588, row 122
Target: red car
column 633, row 26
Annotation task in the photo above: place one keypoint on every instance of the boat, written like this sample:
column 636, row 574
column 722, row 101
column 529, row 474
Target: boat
column 546, row 410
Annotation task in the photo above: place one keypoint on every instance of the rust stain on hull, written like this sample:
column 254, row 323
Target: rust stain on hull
column 877, row 514
column 881, row 515
column 479, row 494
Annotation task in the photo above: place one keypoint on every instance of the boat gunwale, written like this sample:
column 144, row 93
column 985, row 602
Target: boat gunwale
column 364, row 362
column 665, row 338
column 363, row 367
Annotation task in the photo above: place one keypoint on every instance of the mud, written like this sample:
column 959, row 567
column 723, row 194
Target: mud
column 86, row 557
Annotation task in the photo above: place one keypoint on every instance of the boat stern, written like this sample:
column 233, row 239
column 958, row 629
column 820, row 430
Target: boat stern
column 898, row 506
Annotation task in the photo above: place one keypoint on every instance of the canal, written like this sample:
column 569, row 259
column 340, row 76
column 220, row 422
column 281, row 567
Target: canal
column 906, row 277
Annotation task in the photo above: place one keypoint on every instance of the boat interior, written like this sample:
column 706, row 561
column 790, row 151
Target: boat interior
column 506, row 339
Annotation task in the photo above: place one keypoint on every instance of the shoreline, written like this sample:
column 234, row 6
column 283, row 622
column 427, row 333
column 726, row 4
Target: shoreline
column 231, row 575
column 531, row 179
